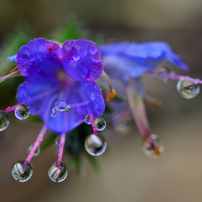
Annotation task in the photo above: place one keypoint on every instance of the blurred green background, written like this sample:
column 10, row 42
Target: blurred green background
column 126, row 175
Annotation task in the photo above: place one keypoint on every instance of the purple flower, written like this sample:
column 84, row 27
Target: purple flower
column 125, row 63
column 60, row 87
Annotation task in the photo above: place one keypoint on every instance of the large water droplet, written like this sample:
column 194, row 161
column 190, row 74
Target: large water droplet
column 188, row 89
column 57, row 174
column 100, row 123
column 95, row 145
column 22, row 112
column 37, row 151
column 87, row 119
column 4, row 120
column 152, row 146
column 20, row 172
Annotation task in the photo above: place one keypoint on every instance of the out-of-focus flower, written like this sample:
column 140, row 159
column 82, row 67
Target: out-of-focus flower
column 59, row 87
column 125, row 63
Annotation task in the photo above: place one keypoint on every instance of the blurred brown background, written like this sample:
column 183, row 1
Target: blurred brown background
column 127, row 175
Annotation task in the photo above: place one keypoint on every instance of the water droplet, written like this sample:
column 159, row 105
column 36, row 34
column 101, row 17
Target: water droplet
column 166, row 70
column 95, row 145
column 76, row 57
column 152, row 146
column 62, row 107
column 57, row 174
column 122, row 128
column 4, row 120
column 67, row 108
column 20, row 172
column 188, row 89
column 58, row 140
column 37, row 151
column 100, row 124
column 53, row 114
column 22, row 112
column 87, row 119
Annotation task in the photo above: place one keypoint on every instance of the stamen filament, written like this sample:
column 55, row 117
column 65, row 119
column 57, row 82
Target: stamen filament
column 173, row 76
column 10, row 75
column 61, row 148
column 138, row 111
column 112, row 93
column 92, row 123
column 36, row 145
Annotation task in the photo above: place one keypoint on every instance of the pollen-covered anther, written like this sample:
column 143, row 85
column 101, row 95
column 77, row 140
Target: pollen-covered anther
column 153, row 101
column 111, row 95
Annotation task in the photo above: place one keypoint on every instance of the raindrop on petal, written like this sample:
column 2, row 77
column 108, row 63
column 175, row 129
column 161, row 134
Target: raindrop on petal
column 20, row 172
column 4, row 120
column 22, row 112
column 87, row 119
column 37, row 151
column 100, row 123
column 57, row 174
column 152, row 146
column 95, row 145
column 188, row 89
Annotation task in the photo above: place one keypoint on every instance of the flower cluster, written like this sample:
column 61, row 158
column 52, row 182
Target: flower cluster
column 60, row 87
column 126, row 63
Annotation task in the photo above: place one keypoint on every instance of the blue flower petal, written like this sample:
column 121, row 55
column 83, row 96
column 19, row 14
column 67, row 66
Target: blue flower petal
column 136, row 58
column 12, row 58
column 82, row 60
column 35, row 91
column 37, row 56
column 84, row 97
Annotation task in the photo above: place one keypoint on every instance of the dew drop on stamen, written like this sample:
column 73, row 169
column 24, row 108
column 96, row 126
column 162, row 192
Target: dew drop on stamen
column 188, row 89
column 58, row 140
column 57, row 174
column 4, row 120
column 95, row 145
column 37, row 151
column 100, row 123
column 20, row 172
column 22, row 112
column 87, row 119
column 152, row 146
column 166, row 70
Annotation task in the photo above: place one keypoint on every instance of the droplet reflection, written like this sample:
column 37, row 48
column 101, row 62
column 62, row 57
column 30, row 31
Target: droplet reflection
column 152, row 146
column 188, row 89
column 95, row 145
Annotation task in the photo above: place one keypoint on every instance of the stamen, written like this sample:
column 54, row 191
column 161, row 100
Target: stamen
column 61, row 148
column 112, row 92
column 173, row 76
column 153, row 101
column 92, row 123
column 12, row 70
column 10, row 74
column 36, row 145
column 138, row 111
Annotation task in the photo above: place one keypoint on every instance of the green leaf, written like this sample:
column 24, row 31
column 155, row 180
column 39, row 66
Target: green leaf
column 77, row 161
column 48, row 142
column 94, row 162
